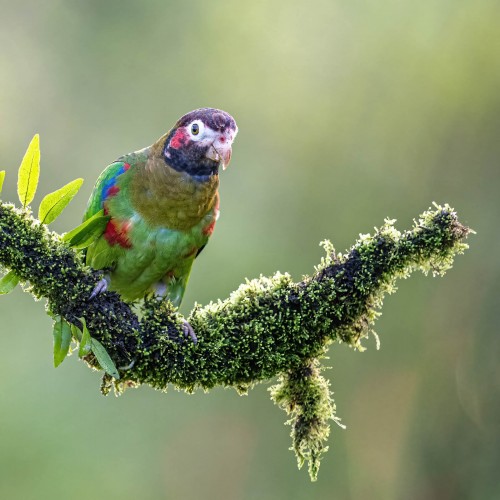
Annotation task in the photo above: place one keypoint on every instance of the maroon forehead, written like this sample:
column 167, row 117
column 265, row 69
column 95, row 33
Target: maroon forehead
column 216, row 119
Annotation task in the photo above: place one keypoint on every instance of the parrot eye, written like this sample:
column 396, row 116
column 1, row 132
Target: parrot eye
column 196, row 129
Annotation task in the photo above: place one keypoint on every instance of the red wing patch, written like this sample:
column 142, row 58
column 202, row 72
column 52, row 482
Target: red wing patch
column 112, row 191
column 116, row 233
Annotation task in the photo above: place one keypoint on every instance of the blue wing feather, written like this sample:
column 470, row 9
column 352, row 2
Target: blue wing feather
column 103, row 187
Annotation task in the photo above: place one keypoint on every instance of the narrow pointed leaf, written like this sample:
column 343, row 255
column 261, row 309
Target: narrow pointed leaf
column 87, row 232
column 62, row 340
column 85, row 342
column 104, row 359
column 57, row 337
column 76, row 332
column 29, row 171
column 54, row 203
column 2, row 177
column 8, row 283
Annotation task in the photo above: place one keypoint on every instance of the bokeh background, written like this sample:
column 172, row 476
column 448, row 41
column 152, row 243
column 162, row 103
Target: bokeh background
column 348, row 112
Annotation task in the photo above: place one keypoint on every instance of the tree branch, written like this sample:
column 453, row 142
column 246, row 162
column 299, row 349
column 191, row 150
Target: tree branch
column 268, row 327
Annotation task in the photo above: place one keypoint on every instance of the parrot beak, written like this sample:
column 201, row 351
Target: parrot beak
column 226, row 157
column 220, row 149
column 220, row 153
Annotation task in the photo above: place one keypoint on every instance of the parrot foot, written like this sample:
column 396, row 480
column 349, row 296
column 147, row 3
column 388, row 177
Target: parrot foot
column 101, row 287
column 188, row 331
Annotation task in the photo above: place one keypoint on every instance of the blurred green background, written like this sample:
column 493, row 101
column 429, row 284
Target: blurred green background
column 348, row 112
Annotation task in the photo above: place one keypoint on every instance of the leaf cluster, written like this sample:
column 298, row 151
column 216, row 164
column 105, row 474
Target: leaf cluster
column 51, row 207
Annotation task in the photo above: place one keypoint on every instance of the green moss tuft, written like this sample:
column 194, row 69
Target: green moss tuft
column 305, row 395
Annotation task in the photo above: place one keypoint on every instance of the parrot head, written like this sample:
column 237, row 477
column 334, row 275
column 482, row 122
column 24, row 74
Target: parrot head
column 200, row 142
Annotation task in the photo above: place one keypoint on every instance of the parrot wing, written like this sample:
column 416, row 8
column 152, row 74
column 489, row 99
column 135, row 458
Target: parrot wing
column 104, row 187
column 101, row 254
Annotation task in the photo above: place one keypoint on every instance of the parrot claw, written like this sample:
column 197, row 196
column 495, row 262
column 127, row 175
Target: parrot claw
column 101, row 287
column 188, row 331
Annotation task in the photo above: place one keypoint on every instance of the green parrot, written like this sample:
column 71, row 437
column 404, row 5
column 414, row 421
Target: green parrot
column 163, row 203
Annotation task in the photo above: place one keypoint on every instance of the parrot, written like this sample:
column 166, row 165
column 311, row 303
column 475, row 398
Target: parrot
column 162, row 202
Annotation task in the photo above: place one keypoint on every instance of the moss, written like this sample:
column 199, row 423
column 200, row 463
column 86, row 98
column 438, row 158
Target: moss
column 305, row 395
column 268, row 327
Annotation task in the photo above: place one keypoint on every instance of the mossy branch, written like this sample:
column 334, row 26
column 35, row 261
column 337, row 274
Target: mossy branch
column 268, row 327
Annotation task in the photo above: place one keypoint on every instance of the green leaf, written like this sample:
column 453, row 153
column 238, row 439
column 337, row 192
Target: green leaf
column 62, row 340
column 54, row 203
column 85, row 342
column 77, row 333
column 104, row 359
column 2, row 177
column 87, row 232
column 29, row 171
column 8, row 283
